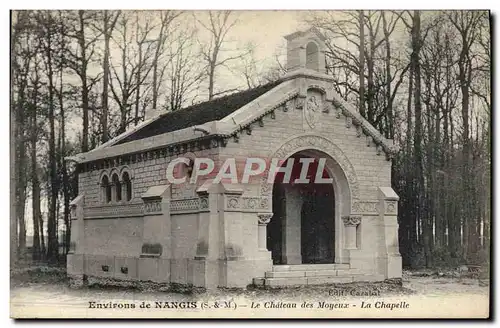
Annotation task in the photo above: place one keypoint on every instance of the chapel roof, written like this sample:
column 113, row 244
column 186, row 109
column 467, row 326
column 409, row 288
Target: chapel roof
column 197, row 114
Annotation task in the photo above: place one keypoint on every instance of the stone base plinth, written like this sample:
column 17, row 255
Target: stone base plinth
column 75, row 264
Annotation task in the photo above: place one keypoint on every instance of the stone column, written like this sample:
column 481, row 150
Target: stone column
column 75, row 257
column 350, row 223
column 114, row 198
column 124, row 190
column 264, row 219
column 291, row 229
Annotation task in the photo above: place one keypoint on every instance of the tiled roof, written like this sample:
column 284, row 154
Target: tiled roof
column 201, row 113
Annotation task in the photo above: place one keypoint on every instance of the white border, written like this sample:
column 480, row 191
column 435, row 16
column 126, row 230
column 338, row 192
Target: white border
column 186, row 4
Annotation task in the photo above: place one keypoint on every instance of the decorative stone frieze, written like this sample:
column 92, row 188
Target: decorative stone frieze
column 246, row 203
column 108, row 211
column 315, row 142
column 232, row 202
column 204, row 142
column 152, row 207
column 365, row 207
column 189, row 205
column 184, row 205
column 366, row 127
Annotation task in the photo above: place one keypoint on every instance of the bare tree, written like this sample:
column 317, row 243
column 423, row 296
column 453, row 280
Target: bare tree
column 183, row 73
column 35, row 183
column 80, row 59
column 218, row 25
column 467, row 24
column 108, row 24
column 136, row 52
column 23, row 55
column 166, row 20
column 47, row 33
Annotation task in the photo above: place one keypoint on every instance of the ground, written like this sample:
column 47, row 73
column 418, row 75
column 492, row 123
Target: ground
column 46, row 293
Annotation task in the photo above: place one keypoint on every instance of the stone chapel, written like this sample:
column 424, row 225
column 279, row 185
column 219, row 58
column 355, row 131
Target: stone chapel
column 130, row 224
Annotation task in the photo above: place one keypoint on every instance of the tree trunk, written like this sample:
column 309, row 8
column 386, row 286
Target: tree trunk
column 361, row 22
column 35, row 184
column 64, row 169
column 421, row 212
column 388, row 77
column 52, row 249
column 105, row 79
column 83, row 77
column 20, row 170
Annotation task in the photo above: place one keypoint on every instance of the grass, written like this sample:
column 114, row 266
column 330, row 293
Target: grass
column 53, row 275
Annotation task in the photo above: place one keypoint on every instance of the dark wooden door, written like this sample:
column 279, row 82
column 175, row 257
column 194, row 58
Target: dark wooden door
column 317, row 228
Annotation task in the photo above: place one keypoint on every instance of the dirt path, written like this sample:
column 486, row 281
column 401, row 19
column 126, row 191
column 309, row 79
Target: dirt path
column 58, row 300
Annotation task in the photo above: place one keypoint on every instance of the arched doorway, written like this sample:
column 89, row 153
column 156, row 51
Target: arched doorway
column 302, row 229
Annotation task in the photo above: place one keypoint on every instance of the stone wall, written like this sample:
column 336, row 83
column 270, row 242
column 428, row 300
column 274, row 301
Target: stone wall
column 145, row 174
column 372, row 170
column 369, row 164
column 116, row 236
column 239, row 256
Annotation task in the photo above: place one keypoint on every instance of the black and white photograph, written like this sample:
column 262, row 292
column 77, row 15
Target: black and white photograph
column 250, row 164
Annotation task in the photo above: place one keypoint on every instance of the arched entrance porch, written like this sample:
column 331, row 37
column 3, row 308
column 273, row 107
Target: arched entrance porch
column 307, row 206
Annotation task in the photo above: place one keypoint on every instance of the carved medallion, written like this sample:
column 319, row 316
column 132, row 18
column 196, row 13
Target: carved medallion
column 232, row 202
column 203, row 203
column 313, row 108
column 391, row 207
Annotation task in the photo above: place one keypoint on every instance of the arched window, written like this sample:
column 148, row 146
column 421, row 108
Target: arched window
column 117, row 187
column 312, row 56
column 105, row 189
column 127, row 185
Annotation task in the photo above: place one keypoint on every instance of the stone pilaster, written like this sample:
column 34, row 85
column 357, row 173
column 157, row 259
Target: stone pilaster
column 231, row 247
column 204, row 269
column 263, row 220
column 390, row 263
column 75, row 259
column 350, row 223
column 156, row 253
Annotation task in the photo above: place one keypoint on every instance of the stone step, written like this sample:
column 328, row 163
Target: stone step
column 311, row 273
column 315, row 280
column 310, row 267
